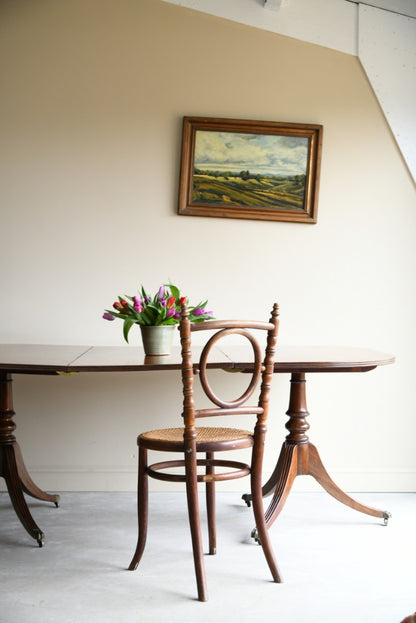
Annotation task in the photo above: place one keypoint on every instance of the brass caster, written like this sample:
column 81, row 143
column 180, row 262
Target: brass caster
column 255, row 535
column 386, row 517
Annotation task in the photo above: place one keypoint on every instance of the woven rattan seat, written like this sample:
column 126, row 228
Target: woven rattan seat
column 172, row 438
column 190, row 440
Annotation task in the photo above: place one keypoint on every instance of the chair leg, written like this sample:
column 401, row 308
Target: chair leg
column 142, row 508
column 210, row 501
column 195, row 524
column 258, row 509
column 263, row 537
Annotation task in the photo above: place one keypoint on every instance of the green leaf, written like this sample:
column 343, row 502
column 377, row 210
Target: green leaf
column 147, row 316
column 201, row 304
column 175, row 291
column 153, row 312
column 171, row 321
column 161, row 316
column 127, row 325
column 116, row 314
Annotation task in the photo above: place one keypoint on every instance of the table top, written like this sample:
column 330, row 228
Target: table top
column 54, row 358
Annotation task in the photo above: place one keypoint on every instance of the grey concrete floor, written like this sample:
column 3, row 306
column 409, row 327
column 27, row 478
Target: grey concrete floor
column 338, row 565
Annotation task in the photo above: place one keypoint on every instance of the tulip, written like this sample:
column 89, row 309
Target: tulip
column 200, row 311
column 170, row 312
column 161, row 292
column 137, row 304
column 108, row 316
column 171, row 301
column 182, row 300
column 117, row 305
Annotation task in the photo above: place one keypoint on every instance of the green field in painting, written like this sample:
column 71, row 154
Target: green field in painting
column 250, row 191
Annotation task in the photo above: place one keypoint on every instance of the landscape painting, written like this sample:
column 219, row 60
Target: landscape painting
column 248, row 169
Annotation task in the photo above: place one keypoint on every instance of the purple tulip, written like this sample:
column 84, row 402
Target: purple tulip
column 161, row 292
column 177, row 315
column 200, row 311
column 108, row 316
column 170, row 312
column 162, row 302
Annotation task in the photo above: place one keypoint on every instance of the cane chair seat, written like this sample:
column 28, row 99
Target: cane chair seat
column 171, row 439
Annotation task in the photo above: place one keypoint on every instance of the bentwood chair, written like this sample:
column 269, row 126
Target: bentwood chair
column 190, row 439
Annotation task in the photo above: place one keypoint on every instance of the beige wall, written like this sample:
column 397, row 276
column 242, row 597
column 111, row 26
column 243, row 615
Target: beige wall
column 93, row 94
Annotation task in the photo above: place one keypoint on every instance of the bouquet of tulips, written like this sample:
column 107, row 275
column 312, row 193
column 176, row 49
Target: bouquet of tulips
column 164, row 308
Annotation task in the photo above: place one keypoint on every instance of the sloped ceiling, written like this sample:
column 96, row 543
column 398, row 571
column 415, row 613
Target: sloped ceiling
column 387, row 51
column 381, row 33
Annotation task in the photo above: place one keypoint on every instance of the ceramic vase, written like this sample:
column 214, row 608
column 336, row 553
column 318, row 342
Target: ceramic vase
column 157, row 340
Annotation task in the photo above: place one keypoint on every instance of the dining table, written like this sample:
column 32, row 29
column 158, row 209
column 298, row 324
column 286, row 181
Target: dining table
column 297, row 456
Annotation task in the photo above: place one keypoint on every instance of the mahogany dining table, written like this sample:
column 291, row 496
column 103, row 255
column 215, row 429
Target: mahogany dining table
column 297, row 456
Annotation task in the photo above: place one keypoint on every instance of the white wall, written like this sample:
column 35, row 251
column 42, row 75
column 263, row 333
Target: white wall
column 91, row 113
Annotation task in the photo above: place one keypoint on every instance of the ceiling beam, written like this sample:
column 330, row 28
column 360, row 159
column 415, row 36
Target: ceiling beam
column 272, row 4
column 402, row 7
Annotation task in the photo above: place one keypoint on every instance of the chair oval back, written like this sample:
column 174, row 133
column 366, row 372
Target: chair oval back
column 255, row 376
column 260, row 370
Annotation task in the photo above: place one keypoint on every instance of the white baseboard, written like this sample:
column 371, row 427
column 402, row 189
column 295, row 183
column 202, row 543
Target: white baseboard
column 100, row 478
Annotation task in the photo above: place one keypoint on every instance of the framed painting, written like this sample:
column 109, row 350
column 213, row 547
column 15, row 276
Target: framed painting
column 250, row 169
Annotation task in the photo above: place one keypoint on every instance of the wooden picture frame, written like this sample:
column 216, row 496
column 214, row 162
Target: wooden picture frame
column 250, row 169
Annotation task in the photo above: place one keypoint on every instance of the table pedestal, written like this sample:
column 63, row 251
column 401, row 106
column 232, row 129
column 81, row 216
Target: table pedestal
column 12, row 467
column 299, row 457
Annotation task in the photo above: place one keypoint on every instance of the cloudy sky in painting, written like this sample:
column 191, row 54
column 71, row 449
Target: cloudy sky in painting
column 232, row 151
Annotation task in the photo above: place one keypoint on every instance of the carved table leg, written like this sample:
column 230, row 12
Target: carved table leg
column 318, row 471
column 28, row 485
column 299, row 457
column 12, row 467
